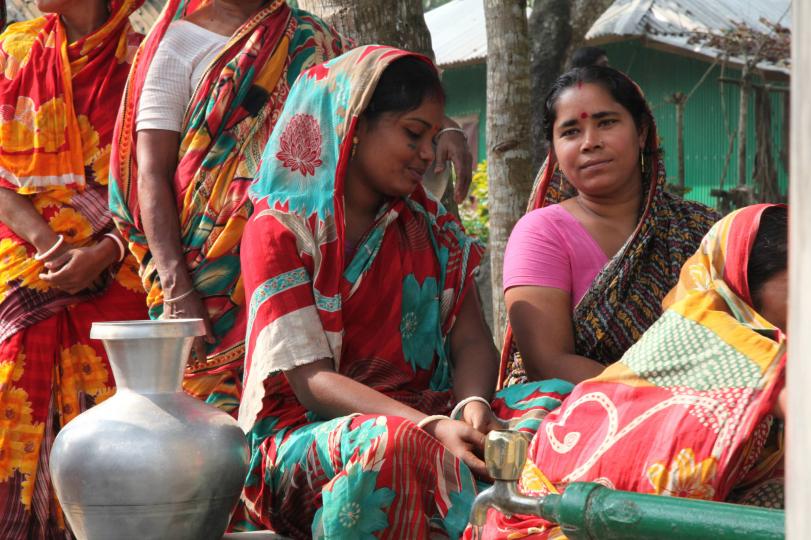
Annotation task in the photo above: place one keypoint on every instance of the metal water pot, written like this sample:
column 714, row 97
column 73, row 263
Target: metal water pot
column 150, row 462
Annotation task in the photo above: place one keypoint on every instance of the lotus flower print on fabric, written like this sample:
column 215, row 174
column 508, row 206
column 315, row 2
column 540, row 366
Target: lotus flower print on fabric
column 301, row 145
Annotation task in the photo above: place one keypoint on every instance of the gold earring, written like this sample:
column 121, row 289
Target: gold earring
column 642, row 162
column 354, row 146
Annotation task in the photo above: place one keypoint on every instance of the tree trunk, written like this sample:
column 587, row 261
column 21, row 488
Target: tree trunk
column 508, row 162
column 550, row 28
column 399, row 23
column 556, row 28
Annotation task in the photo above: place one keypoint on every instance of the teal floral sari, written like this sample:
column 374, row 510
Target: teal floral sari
column 382, row 314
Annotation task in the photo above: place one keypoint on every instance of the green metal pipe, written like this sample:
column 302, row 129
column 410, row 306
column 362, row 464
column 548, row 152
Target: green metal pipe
column 588, row 511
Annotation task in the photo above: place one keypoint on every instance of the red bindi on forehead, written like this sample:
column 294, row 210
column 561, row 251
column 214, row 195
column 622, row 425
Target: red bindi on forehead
column 580, row 84
column 584, row 115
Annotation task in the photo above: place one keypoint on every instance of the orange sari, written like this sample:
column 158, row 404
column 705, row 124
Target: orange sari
column 58, row 103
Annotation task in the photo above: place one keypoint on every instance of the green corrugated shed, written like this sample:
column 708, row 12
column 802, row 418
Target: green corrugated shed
column 659, row 73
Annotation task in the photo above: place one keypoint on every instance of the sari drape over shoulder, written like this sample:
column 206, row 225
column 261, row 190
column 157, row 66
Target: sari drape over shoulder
column 625, row 297
column 57, row 111
column 224, row 131
column 58, row 102
column 687, row 411
column 382, row 316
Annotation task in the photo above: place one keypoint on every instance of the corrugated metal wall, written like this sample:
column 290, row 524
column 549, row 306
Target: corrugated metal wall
column 660, row 74
column 705, row 136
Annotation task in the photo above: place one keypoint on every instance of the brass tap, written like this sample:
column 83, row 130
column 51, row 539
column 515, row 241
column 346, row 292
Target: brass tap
column 505, row 453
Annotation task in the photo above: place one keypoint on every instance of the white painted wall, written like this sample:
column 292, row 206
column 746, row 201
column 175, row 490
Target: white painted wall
column 798, row 477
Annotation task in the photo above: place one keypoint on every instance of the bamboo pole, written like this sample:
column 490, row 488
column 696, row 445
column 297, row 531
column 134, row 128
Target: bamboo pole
column 798, row 477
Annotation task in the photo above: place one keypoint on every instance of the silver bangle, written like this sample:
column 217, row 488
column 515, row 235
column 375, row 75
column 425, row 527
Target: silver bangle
column 59, row 241
column 122, row 252
column 179, row 297
column 428, row 419
column 461, row 405
column 446, row 130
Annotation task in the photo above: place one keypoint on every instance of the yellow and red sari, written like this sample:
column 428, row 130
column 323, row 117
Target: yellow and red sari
column 225, row 129
column 58, row 102
column 686, row 412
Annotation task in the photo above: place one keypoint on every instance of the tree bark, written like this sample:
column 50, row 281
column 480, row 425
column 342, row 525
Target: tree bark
column 557, row 27
column 399, row 23
column 508, row 160
column 550, row 28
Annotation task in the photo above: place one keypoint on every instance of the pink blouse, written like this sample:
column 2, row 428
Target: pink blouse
column 549, row 248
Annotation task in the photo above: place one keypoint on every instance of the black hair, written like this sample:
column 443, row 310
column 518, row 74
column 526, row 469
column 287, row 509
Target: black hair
column 621, row 88
column 769, row 254
column 586, row 56
column 403, row 86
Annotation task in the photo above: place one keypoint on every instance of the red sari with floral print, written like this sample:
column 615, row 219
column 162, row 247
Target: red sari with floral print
column 382, row 313
column 58, row 103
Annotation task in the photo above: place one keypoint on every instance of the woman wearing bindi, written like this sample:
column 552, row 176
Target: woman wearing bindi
column 586, row 270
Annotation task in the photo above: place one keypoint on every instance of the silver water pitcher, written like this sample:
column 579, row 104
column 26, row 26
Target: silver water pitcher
column 150, row 462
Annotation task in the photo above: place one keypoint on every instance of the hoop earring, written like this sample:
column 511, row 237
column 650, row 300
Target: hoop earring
column 354, row 147
column 642, row 162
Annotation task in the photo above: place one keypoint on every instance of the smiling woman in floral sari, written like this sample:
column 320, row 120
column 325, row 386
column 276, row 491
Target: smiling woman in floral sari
column 364, row 325
column 62, row 265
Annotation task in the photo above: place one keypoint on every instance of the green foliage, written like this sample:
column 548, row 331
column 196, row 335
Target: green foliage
column 474, row 211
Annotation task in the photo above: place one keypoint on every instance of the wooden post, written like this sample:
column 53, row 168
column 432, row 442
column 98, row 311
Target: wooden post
column 798, row 477
column 743, row 113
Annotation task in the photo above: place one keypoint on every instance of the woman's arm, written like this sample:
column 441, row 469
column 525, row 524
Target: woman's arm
column 329, row 394
column 474, row 355
column 475, row 364
column 157, row 159
column 541, row 320
column 71, row 269
column 19, row 214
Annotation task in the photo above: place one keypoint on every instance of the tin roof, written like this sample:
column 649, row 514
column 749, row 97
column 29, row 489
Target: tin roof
column 21, row 10
column 458, row 32
column 671, row 22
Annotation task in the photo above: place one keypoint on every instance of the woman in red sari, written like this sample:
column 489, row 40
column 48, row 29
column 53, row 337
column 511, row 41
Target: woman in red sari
column 62, row 264
column 364, row 326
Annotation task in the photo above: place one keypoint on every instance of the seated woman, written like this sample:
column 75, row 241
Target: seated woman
column 687, row 411
column 364, row 322
column 206, row 91
column 586, row 271
column 62, row 264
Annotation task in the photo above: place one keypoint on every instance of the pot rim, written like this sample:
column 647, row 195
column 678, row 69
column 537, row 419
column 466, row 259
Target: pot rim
column 148, row 329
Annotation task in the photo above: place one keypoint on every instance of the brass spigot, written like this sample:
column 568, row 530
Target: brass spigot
column 505, row 453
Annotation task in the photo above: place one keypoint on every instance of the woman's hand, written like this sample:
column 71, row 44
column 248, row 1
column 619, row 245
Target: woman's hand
column 74, row 269
column 480, row 417
column 463, row 441
column 191, row 307
column 452, row 146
